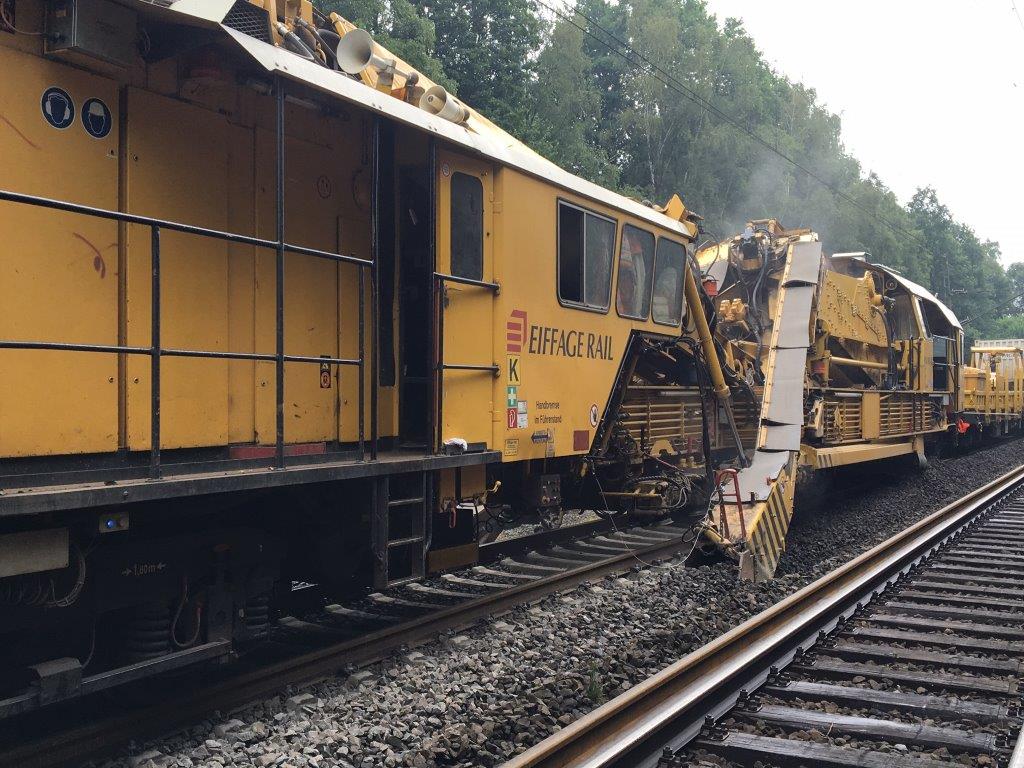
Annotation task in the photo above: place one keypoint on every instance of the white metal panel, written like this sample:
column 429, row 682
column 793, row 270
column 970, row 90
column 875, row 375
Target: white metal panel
column 795, row 318
column 786, row 394
column 805, row 263
column 782, row 437
column 761, row 474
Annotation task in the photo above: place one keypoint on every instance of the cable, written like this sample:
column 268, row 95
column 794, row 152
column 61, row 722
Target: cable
column 177, row 615
column 1017, row 13
column 626, row 548
column 9, row 23
column 76, row 589
column 670, row 81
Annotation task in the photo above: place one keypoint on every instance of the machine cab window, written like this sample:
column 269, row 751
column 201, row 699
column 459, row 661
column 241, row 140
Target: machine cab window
column 667, row 304
column 467, row 227
column 636, row 273
column 586, row 242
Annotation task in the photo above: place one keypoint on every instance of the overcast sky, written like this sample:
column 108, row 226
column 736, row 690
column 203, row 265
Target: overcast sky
column 930, row 93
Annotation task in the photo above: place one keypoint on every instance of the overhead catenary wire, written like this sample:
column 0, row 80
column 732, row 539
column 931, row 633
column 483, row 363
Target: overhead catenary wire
column 1016, row 13
column 673, row 83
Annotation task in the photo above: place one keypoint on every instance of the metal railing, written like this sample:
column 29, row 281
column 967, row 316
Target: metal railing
column 494, row 288
column 156, row 351
column 441, row 366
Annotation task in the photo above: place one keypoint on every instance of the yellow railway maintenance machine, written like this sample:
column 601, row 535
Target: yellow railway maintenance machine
column 993, row 389
column 846, row 361
column 282, row 321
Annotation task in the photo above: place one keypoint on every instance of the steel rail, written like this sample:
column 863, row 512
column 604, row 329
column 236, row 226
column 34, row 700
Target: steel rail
column 182, row 709
column 668, row 710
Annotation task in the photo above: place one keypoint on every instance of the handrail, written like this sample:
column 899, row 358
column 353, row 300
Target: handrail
column 441, row 277
column 173, row 352
column 174, row 226
column 459, row 367
column 155, row 349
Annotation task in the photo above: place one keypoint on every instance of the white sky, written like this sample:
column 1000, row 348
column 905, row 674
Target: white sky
column 930, row 93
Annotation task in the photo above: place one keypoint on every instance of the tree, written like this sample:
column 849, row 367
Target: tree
column 567, row 125
column 488, row 48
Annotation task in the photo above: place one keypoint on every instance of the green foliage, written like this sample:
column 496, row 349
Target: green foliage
column 568, row 125
column 488, row 48
column 614, row 122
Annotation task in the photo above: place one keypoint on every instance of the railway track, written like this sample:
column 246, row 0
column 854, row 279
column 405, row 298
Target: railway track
column 514, row 572
column 910, row 656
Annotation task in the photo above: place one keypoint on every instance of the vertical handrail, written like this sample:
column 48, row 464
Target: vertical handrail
column 434, row 417
column 438, row 290
column 155, row 346
column 375, row 285
column 362, row 363
column 279, row 363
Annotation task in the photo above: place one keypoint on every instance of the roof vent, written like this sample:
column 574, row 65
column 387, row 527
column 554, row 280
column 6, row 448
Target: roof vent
column 250, row 20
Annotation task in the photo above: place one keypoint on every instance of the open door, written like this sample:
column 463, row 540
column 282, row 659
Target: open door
column 464, row 303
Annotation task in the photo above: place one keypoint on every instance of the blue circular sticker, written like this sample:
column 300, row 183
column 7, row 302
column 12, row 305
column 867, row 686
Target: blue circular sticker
column 58, row 108
column 96, row 118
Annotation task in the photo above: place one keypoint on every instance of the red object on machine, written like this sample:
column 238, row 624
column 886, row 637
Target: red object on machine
column 737, row 498
column 962, row 426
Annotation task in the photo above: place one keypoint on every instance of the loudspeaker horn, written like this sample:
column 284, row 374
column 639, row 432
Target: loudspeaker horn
column 437, row 101
column 355, row 53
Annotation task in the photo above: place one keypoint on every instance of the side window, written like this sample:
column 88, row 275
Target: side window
column 667, row 305
column 467, row 226
column 570, row 254
column 599, row 244
column 586, row 242
column 636, row 270
column 924, row 318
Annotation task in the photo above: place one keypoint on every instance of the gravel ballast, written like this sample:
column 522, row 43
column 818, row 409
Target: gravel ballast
column 482, row 696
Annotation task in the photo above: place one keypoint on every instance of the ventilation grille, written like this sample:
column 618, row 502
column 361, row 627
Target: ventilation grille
column 249, row 20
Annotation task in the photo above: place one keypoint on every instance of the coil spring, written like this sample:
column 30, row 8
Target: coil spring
column 256, row 617
column 149, row 632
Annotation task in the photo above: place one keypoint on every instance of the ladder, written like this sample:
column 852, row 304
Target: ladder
column 400, row 528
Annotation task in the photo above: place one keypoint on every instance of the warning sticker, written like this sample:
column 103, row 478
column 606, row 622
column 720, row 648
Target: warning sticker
column 96, row 118
column 594, row 415
column 512, row 418
column 58, row 108
column 515, row 371
column 325, row 376
column 521, row 420
column 511, row 447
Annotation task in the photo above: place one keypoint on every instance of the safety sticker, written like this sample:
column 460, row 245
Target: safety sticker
column 511, row 446
column 96, row 118
column 512, row 397
column 594, row 415
column 521, row 420
column 515, row 371
column 512, row 418
column 58, row 108
column 325, row 376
